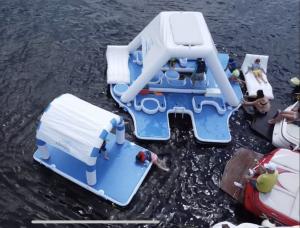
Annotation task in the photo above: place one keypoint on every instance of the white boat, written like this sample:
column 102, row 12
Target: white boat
column 282, row 203
column 264, row 224
column 287, row 135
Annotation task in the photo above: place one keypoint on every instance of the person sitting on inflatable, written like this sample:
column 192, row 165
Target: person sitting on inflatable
column 257, row 71
column 265, row 181
column 290, row 116
column 261, row 104
column 235, row 76
column 231, row 66
column 201, row 69
column 103, row 150
column 235, row 72
column 144, row 156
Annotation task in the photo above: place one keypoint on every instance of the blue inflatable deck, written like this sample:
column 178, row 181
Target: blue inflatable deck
column 118, row 178
column 74, row 140
column 209, row 113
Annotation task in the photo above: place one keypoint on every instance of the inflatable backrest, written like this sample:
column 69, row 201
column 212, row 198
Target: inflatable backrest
column 249, row 60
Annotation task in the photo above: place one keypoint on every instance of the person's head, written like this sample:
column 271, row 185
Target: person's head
column 141, row 157
column 225, row 226
column 260, row 94
column 270, row 167
column 199, row 60
column 297, row 95
column 257, row 60
column 236, row 73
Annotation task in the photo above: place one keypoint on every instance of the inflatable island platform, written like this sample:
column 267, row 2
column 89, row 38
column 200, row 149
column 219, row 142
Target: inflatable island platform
column 75, row 140
column 172, row 66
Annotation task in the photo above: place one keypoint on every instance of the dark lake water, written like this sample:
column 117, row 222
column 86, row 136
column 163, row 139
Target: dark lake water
column 52, row 47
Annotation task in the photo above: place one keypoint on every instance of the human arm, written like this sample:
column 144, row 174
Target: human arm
column 250, row 68
column 162, row 165
column 226, row 67
column 260, row 169
column 241, row 81
column 247, row 103
column 296, row 107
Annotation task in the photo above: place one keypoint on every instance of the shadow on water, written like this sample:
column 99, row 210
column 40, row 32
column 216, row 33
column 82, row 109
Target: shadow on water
column 55, row 47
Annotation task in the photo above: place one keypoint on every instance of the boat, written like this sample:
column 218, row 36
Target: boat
column 285, row 134
column 259, row 123
column 74, row 140
column 265, row 223
column 151, row 78
column 282, row 203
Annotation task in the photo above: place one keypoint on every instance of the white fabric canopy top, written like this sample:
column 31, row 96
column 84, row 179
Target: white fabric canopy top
column 74, row 126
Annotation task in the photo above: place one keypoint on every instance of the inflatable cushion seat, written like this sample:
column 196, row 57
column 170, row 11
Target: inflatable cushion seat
column 119, row 89
column 150, row 103
column 217, row 102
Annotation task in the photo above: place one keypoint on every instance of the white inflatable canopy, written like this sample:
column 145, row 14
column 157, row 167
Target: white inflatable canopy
column 177, row 35
column 74, row 126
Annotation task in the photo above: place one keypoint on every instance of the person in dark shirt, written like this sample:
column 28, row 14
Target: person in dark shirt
column 231, row 66
column 103, row 150
column 262, row 104
column 198, row 74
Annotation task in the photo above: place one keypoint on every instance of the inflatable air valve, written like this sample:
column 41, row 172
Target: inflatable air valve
column 42, row 147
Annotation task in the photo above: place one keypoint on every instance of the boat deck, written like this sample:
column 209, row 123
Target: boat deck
column 236, row 168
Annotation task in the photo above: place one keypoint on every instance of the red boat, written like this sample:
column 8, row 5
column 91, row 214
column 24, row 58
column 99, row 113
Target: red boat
column 282, row 203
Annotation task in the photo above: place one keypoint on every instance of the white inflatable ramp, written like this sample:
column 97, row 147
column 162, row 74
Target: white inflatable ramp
column 117, row 64
column 251, row 82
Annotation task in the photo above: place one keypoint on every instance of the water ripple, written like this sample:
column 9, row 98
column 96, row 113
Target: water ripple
column 54, row 47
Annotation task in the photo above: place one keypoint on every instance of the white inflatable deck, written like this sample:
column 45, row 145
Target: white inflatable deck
column 284, row 197
column 286, row 135
column 251, row 83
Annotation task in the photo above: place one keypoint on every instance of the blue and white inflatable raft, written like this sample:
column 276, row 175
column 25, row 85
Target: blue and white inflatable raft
column 145, row 83
column 69, row 137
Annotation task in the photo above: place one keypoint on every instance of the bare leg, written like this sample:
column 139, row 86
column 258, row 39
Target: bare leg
column 105, row 155
column 278, row 118
column 262, row 78
column 287, row 115
column 162, row 165
column 290, row 117
column 257, row 77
